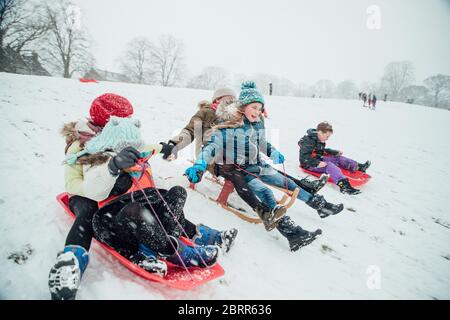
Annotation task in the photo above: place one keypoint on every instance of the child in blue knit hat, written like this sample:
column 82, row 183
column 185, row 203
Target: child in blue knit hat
column 249, row 94
column 239, row 140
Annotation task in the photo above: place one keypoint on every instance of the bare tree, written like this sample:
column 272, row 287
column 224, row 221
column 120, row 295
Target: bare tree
column 66, row 48
column 417, row 94
column 136, row 63
column 284, row 87
column 346, row 90
column 397, row 75
column 303, row 90
column 262, row 81
column 439, row 86
column 325, row 88
column 210, row 79
column 21, row 24
column 168, row 60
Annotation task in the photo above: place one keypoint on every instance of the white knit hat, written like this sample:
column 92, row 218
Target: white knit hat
column 221, row 92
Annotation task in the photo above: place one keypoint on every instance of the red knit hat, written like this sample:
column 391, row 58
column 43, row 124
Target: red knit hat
column 107, row 105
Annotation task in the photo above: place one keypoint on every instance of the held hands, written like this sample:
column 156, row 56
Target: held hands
column 169, row 151
column 123, row 160
column 277, row 157
column 195, row 173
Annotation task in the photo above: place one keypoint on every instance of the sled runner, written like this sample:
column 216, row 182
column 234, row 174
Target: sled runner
column 356, row 178
column 176, row 277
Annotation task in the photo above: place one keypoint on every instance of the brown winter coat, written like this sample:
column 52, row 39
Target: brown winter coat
column 199, row 126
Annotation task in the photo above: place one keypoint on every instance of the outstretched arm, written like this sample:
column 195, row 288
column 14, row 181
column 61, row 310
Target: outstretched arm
column 186, row 136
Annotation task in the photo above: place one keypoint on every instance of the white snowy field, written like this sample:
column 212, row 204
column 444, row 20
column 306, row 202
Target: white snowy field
column 393, row 243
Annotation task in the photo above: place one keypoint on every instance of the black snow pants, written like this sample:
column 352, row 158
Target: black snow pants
column 128, row 222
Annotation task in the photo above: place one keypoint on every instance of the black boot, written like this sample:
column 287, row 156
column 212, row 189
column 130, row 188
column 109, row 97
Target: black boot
column 345, row 187
column 363, row 167
column 313, row 186
column 324, row 208
column 270, row 217
column 296, row 236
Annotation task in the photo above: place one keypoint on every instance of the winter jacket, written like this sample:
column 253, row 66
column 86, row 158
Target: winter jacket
column 90, row 176
column 312, row 150
column 240, row 145
column 204, row 118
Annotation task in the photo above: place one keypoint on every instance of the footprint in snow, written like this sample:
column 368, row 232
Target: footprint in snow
column 21, row 257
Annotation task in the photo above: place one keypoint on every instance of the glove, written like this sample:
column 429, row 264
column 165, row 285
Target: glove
column 168, row 149
column 195, row 173
column 277, row 157
column 123, row 160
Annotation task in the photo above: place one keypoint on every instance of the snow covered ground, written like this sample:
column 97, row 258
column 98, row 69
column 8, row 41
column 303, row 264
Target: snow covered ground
column 393, row 243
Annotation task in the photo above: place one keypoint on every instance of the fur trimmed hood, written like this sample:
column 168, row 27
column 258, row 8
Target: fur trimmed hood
column 229, row 115
column 82, row 131
column 228, row 111
column 204, row 104
column 69, row 132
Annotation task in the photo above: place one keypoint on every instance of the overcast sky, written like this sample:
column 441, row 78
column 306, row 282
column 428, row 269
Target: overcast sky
column 303, row 40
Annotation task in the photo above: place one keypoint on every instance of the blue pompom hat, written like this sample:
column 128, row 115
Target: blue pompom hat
column 249, row 94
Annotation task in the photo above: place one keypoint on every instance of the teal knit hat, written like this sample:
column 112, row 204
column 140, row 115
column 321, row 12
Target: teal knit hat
column 249, row 94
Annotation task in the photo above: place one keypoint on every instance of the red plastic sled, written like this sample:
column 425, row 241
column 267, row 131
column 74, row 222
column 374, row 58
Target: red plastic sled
column 356, row 178
column 85, row 80
column 176, row 277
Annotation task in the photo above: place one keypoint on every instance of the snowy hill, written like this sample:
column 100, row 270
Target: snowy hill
column 397, row 231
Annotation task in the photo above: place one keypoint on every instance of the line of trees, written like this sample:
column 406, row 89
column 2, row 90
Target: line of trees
column 398, row 83
column 50, row 29
column 54, row 30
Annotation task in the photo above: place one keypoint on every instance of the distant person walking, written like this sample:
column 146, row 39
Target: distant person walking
column 364, row 98
column 374, row 101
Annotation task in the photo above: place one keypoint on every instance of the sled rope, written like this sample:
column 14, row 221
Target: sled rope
column 181, row 227
column 165, row 232
column 173, row 216
column 258, row 177
column 285, row 177
column 137, row 184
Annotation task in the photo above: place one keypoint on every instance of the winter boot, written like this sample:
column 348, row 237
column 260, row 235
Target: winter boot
column 313, row 186
column 363, row 167
column 147, row 259
column 208, row 236
column 193, row 256
column 269, row 216
column 65, row 276
column 324, row 208
column 296, row 236
column 345, row 187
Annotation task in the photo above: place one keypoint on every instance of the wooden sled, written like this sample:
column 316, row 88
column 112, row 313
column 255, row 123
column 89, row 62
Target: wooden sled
column 287, row 200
